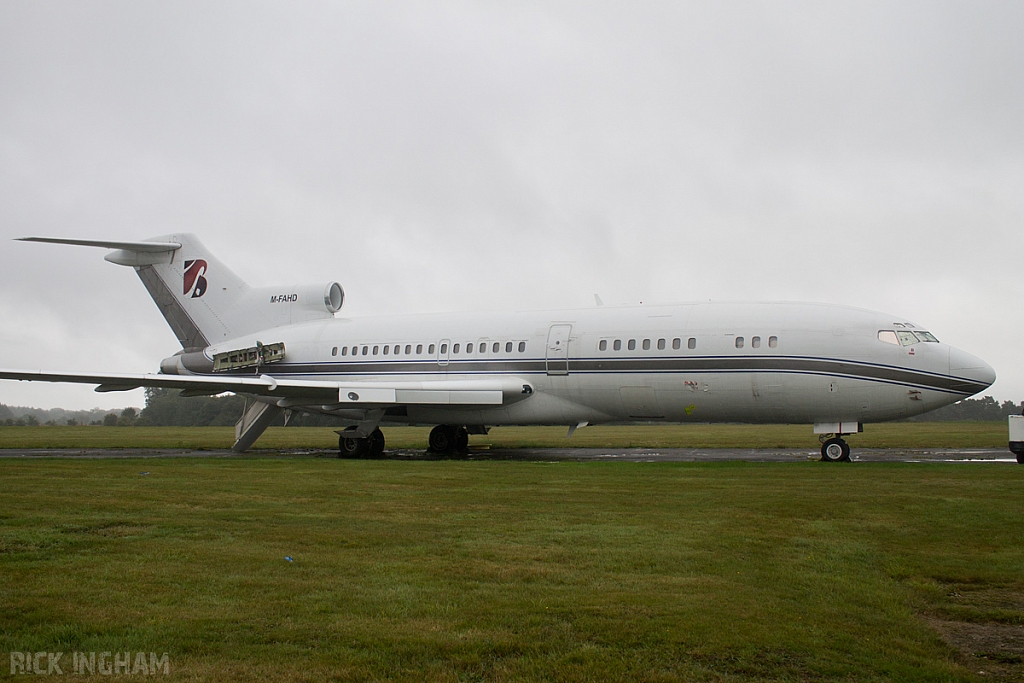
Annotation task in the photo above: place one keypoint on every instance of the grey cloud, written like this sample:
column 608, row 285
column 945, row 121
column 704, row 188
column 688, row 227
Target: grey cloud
column 465, row 156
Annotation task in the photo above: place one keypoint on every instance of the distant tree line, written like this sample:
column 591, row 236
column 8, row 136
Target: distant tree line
column 167, row 408
column 985, row 408
column 30, row 417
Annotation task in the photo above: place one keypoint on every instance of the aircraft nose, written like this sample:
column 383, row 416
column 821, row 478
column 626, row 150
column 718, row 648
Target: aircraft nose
column 969, row 373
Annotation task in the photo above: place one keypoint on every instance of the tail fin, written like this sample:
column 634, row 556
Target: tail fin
column 201, row 299
column 198, row 295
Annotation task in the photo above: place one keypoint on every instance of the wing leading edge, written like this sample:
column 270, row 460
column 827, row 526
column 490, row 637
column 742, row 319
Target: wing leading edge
column 296, row 392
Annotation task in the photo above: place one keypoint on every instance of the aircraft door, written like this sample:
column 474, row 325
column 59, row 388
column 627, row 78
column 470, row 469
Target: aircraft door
column 557, row 356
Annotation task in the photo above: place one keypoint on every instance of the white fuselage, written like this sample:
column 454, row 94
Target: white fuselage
column 796, row 363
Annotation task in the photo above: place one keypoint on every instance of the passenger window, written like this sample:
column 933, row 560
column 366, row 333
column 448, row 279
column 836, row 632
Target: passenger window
column 691, row 343
column 444, row 348
column 617, row 345
column 469, row 348
column 677, row 343
column 455, row 348
column 889, row 337
column 483, row 347
column 631, row 345
column 408, row 349
column 496, row 347
column 647, row 344
column 739, row 342
column 508, row 347
column 661, row 344
column 773, row 342
column 334, row 351
column 522, row 347
column 376, row 349
column 602, row 345
column 755, row 342
column 419, row 349
column 906, row 338
column 385, row 350
column 344, row 350
column 366, row 350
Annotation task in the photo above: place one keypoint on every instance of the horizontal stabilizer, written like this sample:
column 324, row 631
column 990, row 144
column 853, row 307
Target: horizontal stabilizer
column 144, row 247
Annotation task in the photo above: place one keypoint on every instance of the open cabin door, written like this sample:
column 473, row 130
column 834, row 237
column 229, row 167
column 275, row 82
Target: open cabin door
column 557, row 357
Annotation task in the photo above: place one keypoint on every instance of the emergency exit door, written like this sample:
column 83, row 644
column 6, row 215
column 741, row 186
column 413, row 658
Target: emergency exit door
column 557, row 357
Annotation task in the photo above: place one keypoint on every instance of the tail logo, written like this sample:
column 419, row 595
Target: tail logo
column 195, row 283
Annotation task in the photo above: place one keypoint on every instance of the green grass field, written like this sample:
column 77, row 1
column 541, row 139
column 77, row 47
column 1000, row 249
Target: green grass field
column 890, row 435
column 513, row 571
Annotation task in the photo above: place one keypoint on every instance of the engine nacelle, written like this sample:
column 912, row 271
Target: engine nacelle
column 327, row 298
column 297, row 303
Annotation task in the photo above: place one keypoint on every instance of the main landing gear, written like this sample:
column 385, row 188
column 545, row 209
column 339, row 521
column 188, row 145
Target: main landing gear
column 448, row 439
column 444, row 440
column 353, row 446
column 834, row 448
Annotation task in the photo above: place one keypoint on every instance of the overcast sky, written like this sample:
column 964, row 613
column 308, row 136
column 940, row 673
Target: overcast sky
column 450, row 156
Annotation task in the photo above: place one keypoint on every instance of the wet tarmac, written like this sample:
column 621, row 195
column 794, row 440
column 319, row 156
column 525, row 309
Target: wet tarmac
column 958, row 455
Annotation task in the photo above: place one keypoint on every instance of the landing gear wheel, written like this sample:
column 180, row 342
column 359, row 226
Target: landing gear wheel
column 375, row 444
column 371, row 446
column 352, row 447
column 442, row 439
column 448, row 439
column 835, row 450
column 461, row 440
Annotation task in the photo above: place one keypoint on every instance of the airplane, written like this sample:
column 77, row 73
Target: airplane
column 285, row 349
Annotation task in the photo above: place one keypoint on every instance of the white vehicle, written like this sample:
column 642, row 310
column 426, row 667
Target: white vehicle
column 284, row 349
column 1017, row 437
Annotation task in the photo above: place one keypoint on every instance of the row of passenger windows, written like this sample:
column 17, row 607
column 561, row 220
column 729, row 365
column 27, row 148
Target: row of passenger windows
column 755, row 342
column 905, row 337
column 677, row 343
column 397, row 349
column 482, row 347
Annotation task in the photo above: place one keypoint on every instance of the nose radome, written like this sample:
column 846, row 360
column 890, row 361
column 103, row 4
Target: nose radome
column 964, row 366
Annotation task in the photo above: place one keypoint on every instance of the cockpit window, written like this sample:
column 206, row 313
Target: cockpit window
column 926, row 336
column 888, row 336
column 906, row 338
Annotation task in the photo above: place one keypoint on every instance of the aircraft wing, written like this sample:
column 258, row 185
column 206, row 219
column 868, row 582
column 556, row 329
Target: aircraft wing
column 355, row 393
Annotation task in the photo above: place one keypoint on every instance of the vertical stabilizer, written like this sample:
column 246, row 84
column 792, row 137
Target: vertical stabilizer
column 202, row 300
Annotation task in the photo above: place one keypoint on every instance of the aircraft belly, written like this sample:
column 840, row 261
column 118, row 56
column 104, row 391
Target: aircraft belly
column 746, row 397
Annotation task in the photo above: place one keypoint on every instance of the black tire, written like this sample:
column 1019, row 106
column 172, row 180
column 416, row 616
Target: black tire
column 835, row 450
column 461, row 440
column 375, row 444
column 1020, row 458
column 352, row 448
column 442, row 439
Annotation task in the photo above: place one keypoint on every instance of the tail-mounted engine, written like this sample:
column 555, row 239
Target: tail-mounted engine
column 297, row 303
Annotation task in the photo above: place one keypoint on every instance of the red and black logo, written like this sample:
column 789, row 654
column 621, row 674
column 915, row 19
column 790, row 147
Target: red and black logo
column 194, row 280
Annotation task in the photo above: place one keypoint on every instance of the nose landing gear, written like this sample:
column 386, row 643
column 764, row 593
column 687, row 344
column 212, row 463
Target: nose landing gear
column 834, row 448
